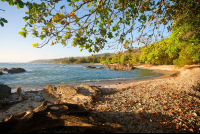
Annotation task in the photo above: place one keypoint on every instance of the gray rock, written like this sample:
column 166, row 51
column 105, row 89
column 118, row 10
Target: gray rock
column 16, row 70
column 12, row 70
column 5, row 91
column 38, row 98
column 82, row 94
column 91, row 67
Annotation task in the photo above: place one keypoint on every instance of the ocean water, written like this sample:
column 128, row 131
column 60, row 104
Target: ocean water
column 40, row 75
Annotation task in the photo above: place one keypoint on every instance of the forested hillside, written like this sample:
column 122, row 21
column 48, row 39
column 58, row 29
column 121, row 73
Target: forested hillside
column 182, row 47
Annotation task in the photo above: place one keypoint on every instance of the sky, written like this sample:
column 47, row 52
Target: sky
column 15, row 48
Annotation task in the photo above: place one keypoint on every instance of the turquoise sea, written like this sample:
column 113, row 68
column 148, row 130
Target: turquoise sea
column 40, row 75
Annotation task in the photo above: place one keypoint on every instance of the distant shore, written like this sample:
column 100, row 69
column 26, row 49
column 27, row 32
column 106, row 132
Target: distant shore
column 70, row 63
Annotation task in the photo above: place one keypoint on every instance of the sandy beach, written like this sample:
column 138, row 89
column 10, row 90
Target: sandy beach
column 168, row 103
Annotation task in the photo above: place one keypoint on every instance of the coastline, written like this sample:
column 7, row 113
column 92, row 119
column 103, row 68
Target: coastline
column 119, row 82
column 162, row 104
column 166, row 72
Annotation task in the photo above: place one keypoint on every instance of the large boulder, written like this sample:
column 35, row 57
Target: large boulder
column 82, row 94
column 91, row 67
column 100, row 68
column 120, row 67
column 5, row 91
column 16, row 70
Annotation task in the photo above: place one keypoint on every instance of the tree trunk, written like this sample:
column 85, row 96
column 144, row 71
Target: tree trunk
column 44, row 116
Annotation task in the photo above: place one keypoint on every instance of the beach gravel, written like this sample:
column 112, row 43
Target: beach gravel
column 161, row 105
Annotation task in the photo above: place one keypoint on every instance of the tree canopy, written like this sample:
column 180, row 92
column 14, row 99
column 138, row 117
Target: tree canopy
column 99, row 24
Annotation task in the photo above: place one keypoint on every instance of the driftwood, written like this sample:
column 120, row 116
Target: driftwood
column 20, row 92
column 46, row 116
column 8, row 102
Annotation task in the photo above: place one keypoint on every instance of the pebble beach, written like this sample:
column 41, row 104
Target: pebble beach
column 165, row 104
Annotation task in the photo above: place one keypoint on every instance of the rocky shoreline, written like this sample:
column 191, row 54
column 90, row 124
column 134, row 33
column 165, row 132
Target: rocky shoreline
column 166, row 104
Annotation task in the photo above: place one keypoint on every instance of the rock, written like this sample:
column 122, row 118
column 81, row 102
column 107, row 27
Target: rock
column 16, row 70
column 12, row 70
column 4, row 70
column 91, row 67
column 1, row 73
column 88, row 90
column 197, row 113
column 174, row 75
column 120, row 67
column 38, row 98
column 82, row 94
column 5, row 91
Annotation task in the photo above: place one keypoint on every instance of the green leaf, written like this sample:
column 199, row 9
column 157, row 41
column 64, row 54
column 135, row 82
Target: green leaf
column 4, row 20
column 110, row 35
column 2, row 24
column 20, row 5
column 30, row 25
column 61, row 7
column 20, row 33
column 10, row 2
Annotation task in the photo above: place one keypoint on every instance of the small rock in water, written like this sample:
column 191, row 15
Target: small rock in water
column 38, row 98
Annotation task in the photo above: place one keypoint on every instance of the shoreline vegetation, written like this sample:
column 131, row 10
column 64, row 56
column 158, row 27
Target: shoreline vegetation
column 168, row 103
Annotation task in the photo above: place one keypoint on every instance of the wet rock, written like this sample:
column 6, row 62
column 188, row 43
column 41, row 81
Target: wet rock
column 91, row 67
column 16, row 70
column 12, row 70
column 1, row 73
column 4, row 70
